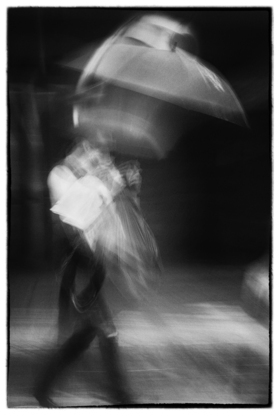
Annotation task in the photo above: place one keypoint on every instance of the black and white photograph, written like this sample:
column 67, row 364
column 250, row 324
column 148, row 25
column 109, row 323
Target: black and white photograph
column 139, row 207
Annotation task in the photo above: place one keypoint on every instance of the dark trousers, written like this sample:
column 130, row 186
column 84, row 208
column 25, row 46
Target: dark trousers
column 92, row 318
column 69, row 352
column 78, row 257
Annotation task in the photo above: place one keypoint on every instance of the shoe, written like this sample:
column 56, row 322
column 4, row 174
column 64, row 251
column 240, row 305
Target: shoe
column 45, row 401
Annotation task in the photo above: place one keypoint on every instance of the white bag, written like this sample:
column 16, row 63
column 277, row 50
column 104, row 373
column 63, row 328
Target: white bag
column 83, row 202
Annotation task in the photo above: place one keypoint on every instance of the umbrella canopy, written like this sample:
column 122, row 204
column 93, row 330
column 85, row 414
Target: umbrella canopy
column 145, row 57
column 145, row 80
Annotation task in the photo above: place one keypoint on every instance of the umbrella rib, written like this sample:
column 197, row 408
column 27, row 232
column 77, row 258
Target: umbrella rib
column 96, row 59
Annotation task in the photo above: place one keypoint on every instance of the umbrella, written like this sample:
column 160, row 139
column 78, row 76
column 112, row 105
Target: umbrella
column 144, row 59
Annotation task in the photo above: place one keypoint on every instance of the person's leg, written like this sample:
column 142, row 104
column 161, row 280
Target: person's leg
column 88, row 320
column 108, row 342
column 119, row 388
column 69, row 270
column 86, row 299
column 67, row 354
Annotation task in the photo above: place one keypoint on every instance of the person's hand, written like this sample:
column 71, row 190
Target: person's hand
column 133, row 177
column 131, row 172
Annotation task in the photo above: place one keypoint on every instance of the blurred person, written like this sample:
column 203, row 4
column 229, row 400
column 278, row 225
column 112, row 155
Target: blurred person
column 117, row 237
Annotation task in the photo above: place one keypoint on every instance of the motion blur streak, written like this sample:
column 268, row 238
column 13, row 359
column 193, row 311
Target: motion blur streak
column 200, row 334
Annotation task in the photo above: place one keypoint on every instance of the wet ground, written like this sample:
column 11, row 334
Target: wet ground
column 190, row 343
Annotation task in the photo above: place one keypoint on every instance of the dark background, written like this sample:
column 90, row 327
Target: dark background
column 210, row 200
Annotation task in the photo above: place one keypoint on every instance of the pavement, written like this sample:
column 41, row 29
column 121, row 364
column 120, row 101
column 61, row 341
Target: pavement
column 190, row 343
